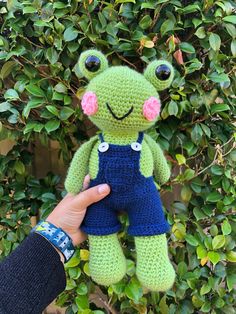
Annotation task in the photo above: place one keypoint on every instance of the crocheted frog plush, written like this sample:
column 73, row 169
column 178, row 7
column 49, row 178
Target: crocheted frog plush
column 123, row 103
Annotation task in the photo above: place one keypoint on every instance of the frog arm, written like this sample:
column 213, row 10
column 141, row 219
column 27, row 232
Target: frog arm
column 79, row 167
column 161, row 168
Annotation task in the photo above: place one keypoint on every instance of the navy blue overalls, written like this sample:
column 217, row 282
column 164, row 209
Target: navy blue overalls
column 132, row 192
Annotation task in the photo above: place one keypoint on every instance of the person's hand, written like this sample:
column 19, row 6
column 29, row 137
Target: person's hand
column 69, row 213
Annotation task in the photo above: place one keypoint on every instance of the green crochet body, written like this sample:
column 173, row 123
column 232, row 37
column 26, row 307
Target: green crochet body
column 123, row 88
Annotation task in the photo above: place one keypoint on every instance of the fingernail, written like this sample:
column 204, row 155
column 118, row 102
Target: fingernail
column 103, row 188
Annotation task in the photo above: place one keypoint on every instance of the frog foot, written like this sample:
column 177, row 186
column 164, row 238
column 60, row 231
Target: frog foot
column 154, row 269
column 107, row 262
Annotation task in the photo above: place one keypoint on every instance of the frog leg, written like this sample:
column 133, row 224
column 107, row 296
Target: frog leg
column 154, row 269
column 107, row 262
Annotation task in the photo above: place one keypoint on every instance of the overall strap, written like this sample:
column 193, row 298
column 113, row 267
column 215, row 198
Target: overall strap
column 140, row 137
column 101, row 137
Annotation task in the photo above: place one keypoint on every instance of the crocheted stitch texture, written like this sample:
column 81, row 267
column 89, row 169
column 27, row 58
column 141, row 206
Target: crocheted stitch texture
column 121, row 102
column 113, row 88
column 154, row 269
column 107, row 263
column 149, row 73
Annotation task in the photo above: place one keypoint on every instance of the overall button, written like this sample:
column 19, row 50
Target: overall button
column 136, row 146
column 103, row 147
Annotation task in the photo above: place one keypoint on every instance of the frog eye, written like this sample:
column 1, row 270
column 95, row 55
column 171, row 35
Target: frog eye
column 91, row 63
column 163, row 72
column 160, row 73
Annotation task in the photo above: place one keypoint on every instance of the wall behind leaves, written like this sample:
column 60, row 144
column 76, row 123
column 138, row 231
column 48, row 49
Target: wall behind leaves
column 40, row 92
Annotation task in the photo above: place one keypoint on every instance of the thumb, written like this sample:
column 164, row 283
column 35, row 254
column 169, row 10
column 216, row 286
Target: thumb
column 93, row 195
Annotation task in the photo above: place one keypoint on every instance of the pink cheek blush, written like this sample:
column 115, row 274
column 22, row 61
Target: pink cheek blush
column 89, row 103
column 151, row 108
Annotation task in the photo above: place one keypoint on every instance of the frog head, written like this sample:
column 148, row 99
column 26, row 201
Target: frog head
column 119, row 99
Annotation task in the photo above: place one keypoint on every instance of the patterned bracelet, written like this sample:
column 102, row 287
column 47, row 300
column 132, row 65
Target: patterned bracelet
column 59, row 238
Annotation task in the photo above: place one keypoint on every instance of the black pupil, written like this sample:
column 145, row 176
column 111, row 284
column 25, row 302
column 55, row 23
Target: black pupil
column 163, row 72
column 92, row 63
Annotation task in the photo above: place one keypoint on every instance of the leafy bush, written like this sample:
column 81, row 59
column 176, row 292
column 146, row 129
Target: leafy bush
column 40, row 91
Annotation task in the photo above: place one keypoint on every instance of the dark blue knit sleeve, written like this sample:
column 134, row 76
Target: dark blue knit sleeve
column 31, row 277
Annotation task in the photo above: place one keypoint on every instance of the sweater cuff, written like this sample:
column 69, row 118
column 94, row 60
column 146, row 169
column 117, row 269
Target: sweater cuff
column 35, row 273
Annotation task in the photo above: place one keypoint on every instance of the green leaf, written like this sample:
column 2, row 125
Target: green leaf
column 19, row 196
column 5, row 106
column 218, row 242
column 206, row 130
column 29, row 9
column 19, row 167
column 188, row 174
column 74, row 261
column 226, row 227
column 214, row 230
column 60, row 88
column 186, row 193
column 74, row 272
column 34, row 103
column 233, row 47
column 190, row 8
column 145, row 22
column 230, row 19
column 218, row 78
column 48, row 197
column 53, row 110
column 82, row 289
column 82, row 302
column 125, row 1
column 186, row 47
column 201, row 252
column 206, row 307
column 70, row 284
column 196, row 134
column 191, row 240
column 167, row 26
column 214, row 197
column 217, row 170
column 231, row 281
column 215, row 41
column 164, row 309
column 214, row 257
column 11, row 94
column 65, row 113
column 173, row 108
column 52, row 125
column 231, row 29
column 7, row 69
column 35, row 90
column 70, row 34
column 231, row 256
column 200, row 32
column 181, row 159
column 216, row 108
column 52, row 55
column 205, row 289
column 182, row 269
column 133, row 290
column 198, row 213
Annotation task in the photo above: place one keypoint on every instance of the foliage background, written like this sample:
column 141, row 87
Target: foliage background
column 40, row 92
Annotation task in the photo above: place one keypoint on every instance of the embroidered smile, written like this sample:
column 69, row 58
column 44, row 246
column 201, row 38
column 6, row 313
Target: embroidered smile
column 119, row 118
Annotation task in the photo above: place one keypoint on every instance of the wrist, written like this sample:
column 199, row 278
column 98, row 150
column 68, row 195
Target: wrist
column 56, row 222
column 57, row 237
